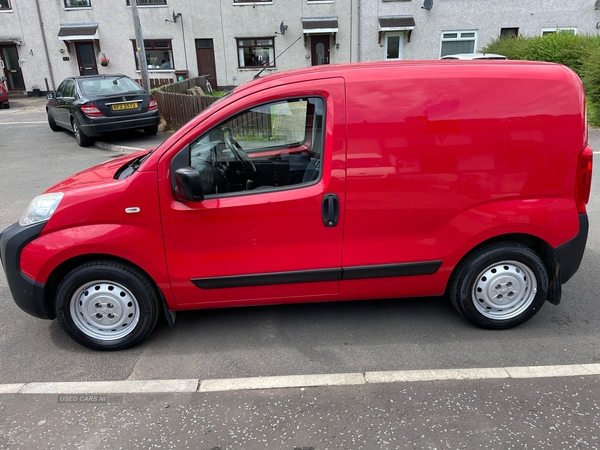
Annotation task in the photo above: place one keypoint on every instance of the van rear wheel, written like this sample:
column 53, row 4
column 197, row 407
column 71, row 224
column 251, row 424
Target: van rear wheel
column 499, row 286
column 106, row 306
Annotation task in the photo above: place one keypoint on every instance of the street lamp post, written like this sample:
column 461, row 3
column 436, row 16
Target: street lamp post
column 140, row 50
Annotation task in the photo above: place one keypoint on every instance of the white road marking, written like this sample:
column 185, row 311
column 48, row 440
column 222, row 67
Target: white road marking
column 111, row 387
column 21, row 123
column 298, row 381
column 234, row 384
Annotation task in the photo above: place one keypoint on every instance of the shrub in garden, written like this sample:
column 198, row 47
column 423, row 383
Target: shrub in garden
column 511, row 47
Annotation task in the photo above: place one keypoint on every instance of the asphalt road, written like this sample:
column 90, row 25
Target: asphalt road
column 294, row 339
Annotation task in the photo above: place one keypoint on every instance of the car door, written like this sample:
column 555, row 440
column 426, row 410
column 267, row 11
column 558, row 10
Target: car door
column 63, row 102
column 270, row 229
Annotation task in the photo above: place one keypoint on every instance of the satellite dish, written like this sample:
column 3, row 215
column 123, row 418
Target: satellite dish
column 174, row 17
column 597, row 6
column 428, row 4
column 283, row 27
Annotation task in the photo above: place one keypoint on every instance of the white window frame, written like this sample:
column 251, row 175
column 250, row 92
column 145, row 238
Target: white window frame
column 553, row 30
column 400, row 47
column 459, row 38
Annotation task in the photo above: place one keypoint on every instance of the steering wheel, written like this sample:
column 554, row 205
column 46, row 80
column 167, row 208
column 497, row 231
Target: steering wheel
column 239, row 152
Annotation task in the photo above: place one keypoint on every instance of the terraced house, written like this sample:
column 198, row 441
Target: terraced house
column 44, row 41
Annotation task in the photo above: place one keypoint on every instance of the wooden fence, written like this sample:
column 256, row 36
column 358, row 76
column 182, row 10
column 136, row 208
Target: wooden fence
column 178, row 109
column 177, row 106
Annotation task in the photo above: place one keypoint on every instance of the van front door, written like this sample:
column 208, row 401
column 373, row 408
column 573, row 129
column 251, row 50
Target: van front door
column 270, row 226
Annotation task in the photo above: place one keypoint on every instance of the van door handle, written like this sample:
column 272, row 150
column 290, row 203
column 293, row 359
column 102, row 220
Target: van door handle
column 330, row 209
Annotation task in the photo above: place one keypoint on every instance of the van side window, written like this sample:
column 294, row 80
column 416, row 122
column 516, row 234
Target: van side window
column 276, row 145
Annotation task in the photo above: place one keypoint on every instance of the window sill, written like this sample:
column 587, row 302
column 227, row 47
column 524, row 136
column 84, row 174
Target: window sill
column 77, row 8
column 6, row 10
column 159, row 70
column 252, row 3
column 150, row 6
column 320, row 1
column 255, row 69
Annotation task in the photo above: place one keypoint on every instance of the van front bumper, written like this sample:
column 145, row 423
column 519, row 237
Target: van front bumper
column 570, row 253
column 27, row 293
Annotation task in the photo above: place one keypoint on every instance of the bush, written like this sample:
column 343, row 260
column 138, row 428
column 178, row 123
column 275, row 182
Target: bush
column 591, row 81
column 563, row 48
column 511, row 47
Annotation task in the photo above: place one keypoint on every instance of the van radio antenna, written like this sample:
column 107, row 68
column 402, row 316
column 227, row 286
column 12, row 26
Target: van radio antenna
column 275, row 59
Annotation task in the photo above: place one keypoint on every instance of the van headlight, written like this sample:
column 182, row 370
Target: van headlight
column 41, row 208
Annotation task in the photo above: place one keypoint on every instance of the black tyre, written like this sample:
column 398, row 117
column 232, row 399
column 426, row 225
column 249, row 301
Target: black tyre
column 499, row 286
column 6, row 105
column 151, row 131
column 106, row 306
column 52, row 123
column 82, row 139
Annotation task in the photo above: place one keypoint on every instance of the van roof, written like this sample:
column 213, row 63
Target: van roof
column 331, row 70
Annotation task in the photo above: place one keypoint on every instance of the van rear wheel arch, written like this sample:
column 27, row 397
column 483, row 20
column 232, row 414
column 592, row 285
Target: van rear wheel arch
column 485, row 280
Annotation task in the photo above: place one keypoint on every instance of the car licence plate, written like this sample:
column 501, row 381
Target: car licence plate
column 121, row 106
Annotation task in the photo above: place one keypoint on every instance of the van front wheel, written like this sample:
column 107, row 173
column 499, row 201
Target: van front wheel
column 499, row 286
column 106, row 306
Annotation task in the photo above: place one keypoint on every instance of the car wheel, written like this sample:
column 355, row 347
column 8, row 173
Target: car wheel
column 52, row 123
column 6, row 105
column 106, row 306
column 151, row 131
column 80, row 137
column 499, row 286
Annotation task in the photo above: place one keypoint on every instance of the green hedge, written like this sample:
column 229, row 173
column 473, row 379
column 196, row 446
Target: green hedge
column 579, row 52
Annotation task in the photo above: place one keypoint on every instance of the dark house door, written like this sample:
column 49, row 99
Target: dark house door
column 205, row 54
column 319, row 49
column 9, row 67
column 86, row 58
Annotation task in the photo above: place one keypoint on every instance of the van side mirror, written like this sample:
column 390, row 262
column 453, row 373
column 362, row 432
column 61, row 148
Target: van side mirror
column 3, row 78
column 188, row 185
column 50, row 96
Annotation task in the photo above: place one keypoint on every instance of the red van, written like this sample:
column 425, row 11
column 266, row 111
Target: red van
column 377, row 180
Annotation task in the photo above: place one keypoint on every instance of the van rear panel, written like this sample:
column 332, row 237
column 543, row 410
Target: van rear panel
column 444, row 157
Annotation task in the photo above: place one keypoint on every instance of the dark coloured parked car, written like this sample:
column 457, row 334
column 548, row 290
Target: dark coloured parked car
column 93, row 105
column 3, row 96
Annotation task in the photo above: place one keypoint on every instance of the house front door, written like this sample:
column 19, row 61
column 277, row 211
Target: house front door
column 86, row 58
column 9, row 67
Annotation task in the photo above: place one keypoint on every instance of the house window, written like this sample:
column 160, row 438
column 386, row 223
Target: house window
column 78, row 4
column 393, row 45
column 570, row 30
column 159, row 54
column 149, row 2
column 5, row 5
column 509, row 32
column 239, row 2
column 454, row 42
column 258, row 52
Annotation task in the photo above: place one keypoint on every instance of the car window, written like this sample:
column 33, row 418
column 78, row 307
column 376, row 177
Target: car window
column 109, row 86
column 69, row 90
column 60, row 92
column 277, row 145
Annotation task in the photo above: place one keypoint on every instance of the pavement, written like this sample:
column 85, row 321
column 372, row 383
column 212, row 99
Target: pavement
column 124, row 142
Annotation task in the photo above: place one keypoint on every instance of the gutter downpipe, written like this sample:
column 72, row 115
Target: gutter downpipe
column 358, row 32
column 37, row 5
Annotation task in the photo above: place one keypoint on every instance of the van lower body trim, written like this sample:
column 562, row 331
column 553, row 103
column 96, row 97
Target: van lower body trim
column 311, row 276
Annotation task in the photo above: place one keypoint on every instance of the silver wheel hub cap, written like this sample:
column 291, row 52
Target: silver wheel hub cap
column 104, row 310
column 504, row 290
